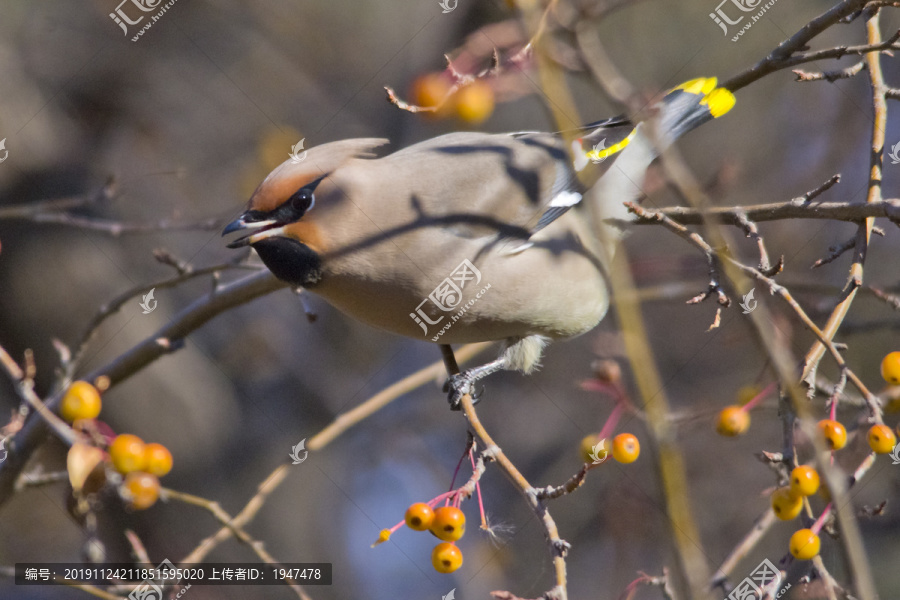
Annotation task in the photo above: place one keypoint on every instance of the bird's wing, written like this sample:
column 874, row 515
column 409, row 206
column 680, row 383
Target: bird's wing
column 524, row 180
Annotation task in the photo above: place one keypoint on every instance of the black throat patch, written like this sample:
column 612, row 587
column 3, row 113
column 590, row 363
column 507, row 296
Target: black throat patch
column 290, row 260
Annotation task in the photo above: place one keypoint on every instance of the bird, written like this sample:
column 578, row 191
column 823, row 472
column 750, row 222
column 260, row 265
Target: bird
column 468, row 236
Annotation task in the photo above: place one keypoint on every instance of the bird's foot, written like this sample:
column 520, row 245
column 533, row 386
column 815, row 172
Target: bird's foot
column 459, row 385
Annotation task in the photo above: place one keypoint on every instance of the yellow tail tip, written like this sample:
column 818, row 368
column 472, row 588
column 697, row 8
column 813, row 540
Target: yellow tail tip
column 720, row 101
column 700, row 86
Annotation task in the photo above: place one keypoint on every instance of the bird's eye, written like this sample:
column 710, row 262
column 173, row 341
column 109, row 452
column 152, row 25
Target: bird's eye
column 302, row 201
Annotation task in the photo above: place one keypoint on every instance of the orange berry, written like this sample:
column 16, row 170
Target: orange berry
column 835, row 433
column 157, row 459
column 881, row 439
column 419, row 516
column 626, row 448
column 140, row 490
column 127, row 453
column 785, row 504
column 432, row 89
column 805, row 544
column 733, row 421
column 446, row 557
column 804, row 481
column 890, row 368
column 449, row 523
column 475, row 102
column 82, row 401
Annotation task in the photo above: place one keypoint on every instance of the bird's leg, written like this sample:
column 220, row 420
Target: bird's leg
column 461, row 383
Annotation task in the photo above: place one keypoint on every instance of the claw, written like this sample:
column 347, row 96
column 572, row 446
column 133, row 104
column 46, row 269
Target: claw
column 458, row 386
column 476, row 396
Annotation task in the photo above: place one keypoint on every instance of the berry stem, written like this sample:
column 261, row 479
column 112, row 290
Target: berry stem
column 478, row 492
column 817, row 526
column 612, row 421
column 751, row 404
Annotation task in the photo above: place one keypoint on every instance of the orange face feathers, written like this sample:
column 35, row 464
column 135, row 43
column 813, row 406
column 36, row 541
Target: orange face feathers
column 275, row 222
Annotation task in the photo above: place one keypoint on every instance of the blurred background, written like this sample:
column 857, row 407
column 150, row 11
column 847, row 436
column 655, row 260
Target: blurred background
column 189, row 119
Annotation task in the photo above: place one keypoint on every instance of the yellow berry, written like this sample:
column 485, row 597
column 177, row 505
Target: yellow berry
column 419, row 516
column 594, row 450
column 475, row 102
column 785, row 504
column 733, row 421
column 157, row 459
column 626, row 448
column 383, row 536
column 805, row 544
column 446, row 557
column 127, row 453
column 804, row 481
column 449, row 523
column 881, row 439
column 82, row 401
column 890, row 368
column 140, row 490
column 835, row 434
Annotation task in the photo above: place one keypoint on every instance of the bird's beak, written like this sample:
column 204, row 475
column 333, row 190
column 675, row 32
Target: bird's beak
column 259, row 230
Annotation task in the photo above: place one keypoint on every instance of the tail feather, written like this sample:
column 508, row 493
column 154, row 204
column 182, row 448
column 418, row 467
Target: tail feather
column 681, row 110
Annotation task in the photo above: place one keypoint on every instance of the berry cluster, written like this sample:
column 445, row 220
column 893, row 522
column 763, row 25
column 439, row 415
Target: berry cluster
column 447, row 523
column 473, row 102
column 141, row 464
column 788, row 502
